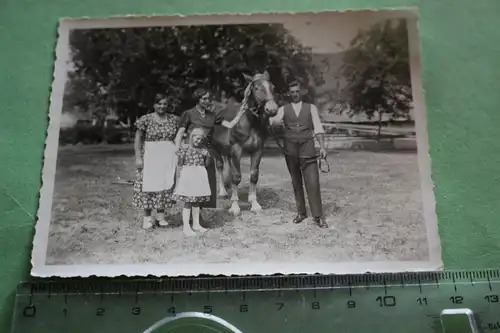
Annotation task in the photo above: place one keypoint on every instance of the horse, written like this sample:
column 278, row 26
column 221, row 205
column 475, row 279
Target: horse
column 248, row 135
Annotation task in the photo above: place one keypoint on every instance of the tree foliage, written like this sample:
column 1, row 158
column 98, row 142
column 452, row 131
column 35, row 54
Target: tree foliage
column 123, row 69
column 377, row 70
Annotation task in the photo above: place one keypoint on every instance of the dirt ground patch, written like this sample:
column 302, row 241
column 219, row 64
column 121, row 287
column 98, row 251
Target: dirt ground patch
column 372, row 202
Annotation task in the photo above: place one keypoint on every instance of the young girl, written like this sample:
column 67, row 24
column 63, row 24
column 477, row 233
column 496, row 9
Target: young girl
column 193, row 187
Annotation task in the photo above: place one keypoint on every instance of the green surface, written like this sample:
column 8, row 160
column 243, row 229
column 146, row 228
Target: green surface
column 461, row 77
column 399, row 303
column 461, row 322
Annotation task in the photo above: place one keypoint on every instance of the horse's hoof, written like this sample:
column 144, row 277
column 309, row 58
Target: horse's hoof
column 235, row 210
column 256, row 208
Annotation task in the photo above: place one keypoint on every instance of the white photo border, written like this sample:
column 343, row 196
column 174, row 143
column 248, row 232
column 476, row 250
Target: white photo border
column 40, row 243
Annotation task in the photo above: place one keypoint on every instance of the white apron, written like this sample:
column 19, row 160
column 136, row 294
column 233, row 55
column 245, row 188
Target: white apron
column 160, row 162
column 193, row 182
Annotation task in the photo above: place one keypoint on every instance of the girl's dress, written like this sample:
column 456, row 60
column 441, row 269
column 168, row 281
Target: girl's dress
column 154, row 183
column 193, row 185
column 191, row 119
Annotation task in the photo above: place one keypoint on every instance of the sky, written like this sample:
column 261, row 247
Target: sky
column 322, row 32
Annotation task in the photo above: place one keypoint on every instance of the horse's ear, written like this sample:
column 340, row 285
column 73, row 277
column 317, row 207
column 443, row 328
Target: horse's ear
column 247, row 77
column 266, row 74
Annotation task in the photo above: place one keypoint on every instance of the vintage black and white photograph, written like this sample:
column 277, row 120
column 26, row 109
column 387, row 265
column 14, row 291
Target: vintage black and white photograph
column 237, row 144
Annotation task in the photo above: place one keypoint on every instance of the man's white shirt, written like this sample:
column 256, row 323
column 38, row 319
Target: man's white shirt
column 297, row 107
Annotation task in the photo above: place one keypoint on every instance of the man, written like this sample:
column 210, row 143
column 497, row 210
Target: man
column 301, row 125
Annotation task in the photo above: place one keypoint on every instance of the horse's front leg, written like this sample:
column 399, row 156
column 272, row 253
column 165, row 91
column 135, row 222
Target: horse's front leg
column 255, row 159
column 236, row 179
column 224, row 176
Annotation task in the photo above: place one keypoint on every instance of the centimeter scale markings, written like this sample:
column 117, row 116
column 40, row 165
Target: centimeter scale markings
column 407, row 302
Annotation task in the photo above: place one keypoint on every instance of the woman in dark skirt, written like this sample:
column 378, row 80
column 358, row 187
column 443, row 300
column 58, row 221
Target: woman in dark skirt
column 202, row 116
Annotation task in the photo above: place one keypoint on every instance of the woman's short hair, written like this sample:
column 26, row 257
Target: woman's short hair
column 159, row 97
column 199, row 93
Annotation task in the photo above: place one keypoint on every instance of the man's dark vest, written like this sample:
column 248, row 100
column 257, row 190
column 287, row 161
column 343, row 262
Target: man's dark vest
column 299, row 128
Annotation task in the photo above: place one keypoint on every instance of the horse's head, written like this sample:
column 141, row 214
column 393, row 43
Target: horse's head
column 261, row 88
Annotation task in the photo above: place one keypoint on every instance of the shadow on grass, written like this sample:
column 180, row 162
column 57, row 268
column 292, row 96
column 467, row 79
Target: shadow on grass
column 217, row 218
column 273, row 152
column 128, row 149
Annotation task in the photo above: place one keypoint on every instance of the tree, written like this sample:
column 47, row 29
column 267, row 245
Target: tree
column 123, row 69
column 377, row 70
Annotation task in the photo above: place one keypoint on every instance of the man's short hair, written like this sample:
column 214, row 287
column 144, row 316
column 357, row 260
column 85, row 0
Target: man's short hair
column 293, row 83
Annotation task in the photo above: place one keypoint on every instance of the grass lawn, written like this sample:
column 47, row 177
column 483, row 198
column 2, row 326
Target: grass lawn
column 372, row 201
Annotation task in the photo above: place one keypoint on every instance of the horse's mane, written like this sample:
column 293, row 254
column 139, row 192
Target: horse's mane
column 229, row 109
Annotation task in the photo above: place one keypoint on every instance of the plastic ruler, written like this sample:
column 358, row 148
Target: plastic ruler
column 451, row 302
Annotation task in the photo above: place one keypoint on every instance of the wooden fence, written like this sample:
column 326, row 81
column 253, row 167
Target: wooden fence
column 357, row 136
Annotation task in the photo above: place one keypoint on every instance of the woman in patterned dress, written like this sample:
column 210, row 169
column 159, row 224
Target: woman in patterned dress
column 193, row 187
column 156, row 162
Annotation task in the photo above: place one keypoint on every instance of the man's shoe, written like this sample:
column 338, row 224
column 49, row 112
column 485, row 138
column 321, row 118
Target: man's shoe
column 299, row 218
column 320, row 221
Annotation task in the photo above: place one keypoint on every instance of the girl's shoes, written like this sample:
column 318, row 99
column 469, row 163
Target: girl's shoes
column 147, row 223
column 189, row 232
column 161, row 220
column 199, row 229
